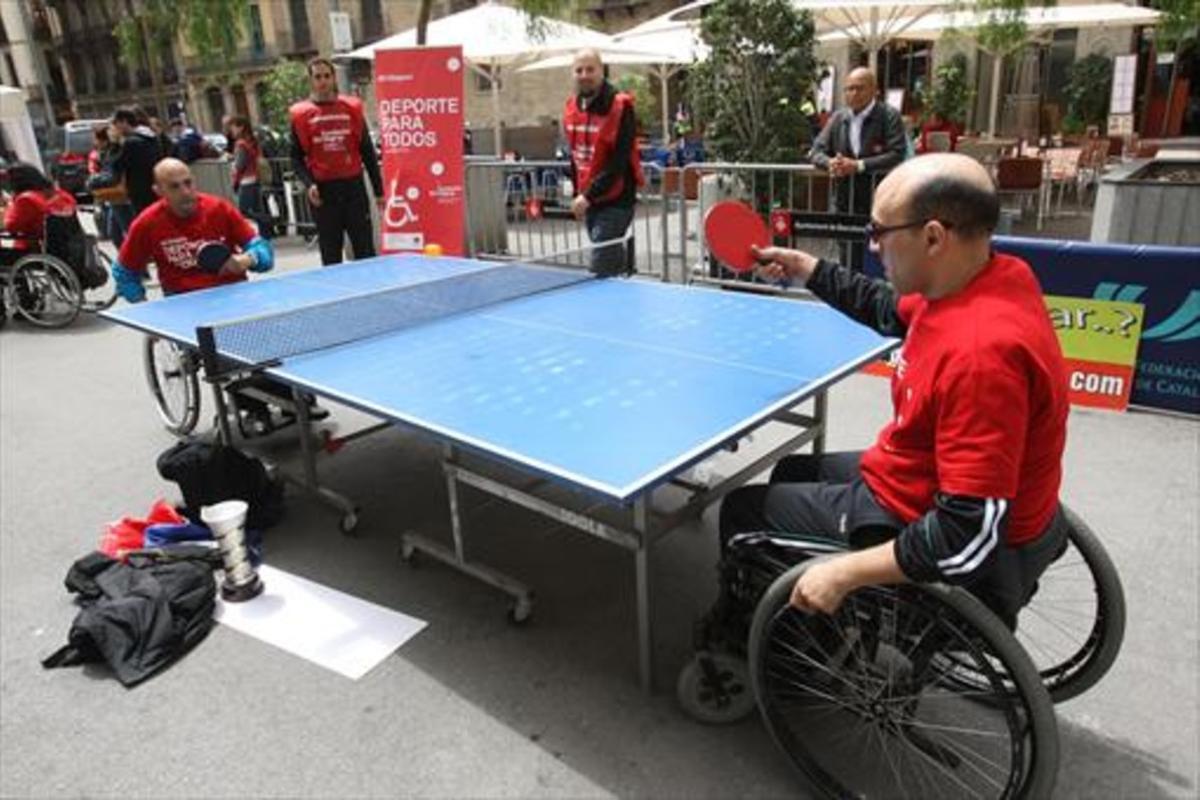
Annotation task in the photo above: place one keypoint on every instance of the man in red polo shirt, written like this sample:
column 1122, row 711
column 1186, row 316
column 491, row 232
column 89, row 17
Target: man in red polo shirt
column 170, row 231
column 962, row 485
column 331, row 146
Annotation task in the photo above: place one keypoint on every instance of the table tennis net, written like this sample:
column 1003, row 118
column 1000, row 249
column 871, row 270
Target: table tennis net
column 270, row 338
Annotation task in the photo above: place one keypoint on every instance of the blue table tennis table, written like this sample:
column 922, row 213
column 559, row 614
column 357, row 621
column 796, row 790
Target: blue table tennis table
column 608, row 389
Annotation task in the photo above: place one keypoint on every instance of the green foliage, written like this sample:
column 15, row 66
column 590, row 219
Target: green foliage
column 950, row 96
column 749, row 94
column 1089, row 85
column 1004, row 29
column 1179, row 24
column 286, row 83
column 1001, row 29
column 639, row 87
column 211, row 27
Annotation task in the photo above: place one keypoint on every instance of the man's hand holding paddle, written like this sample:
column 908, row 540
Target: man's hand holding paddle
column 218, row 258
column 781, row 265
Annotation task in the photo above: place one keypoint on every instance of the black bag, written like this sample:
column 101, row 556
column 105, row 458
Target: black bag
column 139, row 616
column 208, row 473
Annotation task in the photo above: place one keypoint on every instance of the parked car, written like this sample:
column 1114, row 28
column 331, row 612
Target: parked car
column 218, row 141
column 69, row 165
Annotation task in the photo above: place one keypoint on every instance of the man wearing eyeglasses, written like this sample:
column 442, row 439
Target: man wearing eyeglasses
column 962, row 485
column 858, row 146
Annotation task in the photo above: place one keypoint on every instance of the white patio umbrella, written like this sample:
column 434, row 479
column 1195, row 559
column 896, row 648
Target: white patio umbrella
column 663, row 66
column 493, row 36
column 1041, row 20
column 870, row 23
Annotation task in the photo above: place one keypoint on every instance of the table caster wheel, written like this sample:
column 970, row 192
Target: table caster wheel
column 348, row 522
column 408, row 554
column 520, row 611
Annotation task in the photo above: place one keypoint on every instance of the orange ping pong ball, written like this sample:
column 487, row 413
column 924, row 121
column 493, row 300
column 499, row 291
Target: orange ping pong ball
column 432, row 249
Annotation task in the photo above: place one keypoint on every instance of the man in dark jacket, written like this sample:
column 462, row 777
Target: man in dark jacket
column 140, row 151
column 601, row 132
column 858, row 146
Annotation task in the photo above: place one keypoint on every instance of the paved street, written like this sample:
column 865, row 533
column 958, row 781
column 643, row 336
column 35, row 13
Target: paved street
column 474, row 706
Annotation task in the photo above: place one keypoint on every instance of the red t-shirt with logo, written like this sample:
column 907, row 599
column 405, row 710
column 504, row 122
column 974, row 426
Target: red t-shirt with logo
column 330, row 135
column 979, row 397
column 171, row 242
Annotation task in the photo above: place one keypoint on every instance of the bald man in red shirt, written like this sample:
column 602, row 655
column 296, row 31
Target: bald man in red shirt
column 962, row 485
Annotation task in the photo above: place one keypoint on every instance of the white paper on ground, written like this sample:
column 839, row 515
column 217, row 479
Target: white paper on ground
column 325, row 626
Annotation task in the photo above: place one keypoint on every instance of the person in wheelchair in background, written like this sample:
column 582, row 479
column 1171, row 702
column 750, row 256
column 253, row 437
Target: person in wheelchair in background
column 170, row 232
column 35, row 199
column 34, row 196
column 961, row 486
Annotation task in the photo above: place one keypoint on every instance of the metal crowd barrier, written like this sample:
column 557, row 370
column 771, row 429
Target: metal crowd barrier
column 522, row 209
column 799, row 198
column 284, row 196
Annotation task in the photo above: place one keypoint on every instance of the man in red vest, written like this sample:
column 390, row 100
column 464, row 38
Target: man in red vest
column 602, row 135
column 330, row 147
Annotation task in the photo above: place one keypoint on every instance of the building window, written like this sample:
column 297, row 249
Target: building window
column 216, row 105
column 484, row 77
column 372, row 20
column 260, row 94
column 258, row 44
column 120, row 74
column 301, row 33
column 79, row 73
column 100, row 77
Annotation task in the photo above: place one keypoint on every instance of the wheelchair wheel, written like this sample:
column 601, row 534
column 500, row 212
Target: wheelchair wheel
column 1073, row 626
column 45, row 291
column 105, row 295
column 866, row 702
column 171, row 371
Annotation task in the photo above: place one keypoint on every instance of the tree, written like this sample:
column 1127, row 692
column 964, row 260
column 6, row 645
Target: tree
column 950, row 94
column 749, row 95
column 998, row 28
column 1177, row 30
column 286, row 83
column 638, row 86
column 154, row 28
column 1089, row 88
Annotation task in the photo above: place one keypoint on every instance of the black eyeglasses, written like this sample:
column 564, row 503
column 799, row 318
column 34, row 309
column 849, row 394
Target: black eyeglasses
column 875, row 231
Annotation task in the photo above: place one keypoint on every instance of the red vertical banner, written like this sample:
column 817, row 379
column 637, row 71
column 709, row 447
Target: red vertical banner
column 420, row 97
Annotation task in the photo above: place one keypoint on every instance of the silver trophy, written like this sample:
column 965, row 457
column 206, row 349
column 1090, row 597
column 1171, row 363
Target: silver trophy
column 227, row 521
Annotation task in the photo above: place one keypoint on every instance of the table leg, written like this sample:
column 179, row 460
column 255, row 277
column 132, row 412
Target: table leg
column 642, row 558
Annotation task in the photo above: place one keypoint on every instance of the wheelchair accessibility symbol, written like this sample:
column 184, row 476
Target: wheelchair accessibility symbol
column 398, row 212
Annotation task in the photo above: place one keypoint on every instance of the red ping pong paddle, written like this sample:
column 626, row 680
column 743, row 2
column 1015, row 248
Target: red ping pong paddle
column 211, row 256
column 730, row 228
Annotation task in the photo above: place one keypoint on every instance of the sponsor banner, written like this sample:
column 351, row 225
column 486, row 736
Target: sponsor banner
column 420, row 99
column 1099, row 340
column 1164, row 280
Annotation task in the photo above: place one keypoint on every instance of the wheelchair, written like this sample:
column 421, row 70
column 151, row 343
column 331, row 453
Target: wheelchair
column 173, row 375
column 910, row 690
column 65, row 272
